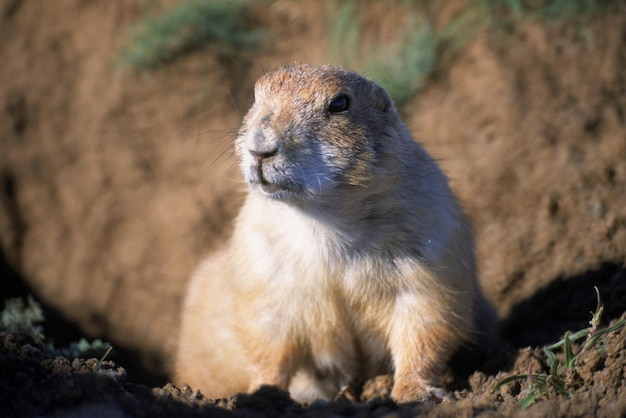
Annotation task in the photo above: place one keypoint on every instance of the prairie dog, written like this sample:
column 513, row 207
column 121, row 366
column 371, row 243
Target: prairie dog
column 350, row 257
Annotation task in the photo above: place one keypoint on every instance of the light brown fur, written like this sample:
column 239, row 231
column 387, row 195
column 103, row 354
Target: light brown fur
column 350, row 257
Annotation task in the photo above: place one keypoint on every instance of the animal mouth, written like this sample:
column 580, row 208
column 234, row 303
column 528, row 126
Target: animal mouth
column 270, row 188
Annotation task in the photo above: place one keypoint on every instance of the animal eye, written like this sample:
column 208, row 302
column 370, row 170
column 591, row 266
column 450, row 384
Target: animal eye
column 340, row 103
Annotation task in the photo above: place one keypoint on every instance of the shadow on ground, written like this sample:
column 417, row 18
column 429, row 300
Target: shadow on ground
column 62, row 332
column 566, row 304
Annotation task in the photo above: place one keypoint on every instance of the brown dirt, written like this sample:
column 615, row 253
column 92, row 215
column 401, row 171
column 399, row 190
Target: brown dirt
column 114, row 185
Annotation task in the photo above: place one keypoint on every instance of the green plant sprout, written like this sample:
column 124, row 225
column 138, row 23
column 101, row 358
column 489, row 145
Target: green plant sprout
column 540, row 384
column 101, row 359
column 20, row 319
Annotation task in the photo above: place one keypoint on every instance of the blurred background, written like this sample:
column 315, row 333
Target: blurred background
column 117, row 120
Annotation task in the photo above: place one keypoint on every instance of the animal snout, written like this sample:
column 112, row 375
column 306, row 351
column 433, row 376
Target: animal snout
column 261, row 145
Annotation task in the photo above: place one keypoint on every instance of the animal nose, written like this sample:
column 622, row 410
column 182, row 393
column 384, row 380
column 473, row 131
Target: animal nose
column 265, row 154
column 261, row 146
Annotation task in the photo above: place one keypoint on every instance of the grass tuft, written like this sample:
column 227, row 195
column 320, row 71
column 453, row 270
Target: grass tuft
column 401, row 67
column 27, row 319
column 558, row 378
column 21, row 319
column 404, row 65
column 220, row 25
column 404, row 68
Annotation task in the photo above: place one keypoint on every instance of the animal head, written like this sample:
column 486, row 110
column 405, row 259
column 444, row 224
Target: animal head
column 314, row 133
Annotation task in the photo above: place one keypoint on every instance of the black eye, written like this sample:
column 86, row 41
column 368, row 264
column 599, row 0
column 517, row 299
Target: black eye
column 340, row 103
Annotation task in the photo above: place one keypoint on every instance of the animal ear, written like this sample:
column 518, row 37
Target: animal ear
column 381, row 99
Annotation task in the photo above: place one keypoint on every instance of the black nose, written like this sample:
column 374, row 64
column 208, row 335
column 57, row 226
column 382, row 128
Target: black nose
column 263, row 154
column 262, row 144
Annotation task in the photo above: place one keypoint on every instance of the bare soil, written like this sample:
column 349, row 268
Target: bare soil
column 115, row 184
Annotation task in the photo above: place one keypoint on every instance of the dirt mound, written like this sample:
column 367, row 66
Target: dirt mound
column 35, row 384
column 114, row 185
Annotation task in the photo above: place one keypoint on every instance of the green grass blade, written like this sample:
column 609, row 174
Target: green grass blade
column 531, row 398
column 104, row 356
column 594, row 339
column 573, row 337
column 510, row 379
column 570, row 358
column 552, row 363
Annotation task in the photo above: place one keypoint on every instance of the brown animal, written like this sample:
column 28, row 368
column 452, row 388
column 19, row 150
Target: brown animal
column 350, row 257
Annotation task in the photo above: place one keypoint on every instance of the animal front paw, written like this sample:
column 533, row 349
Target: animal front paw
column 417, row 392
